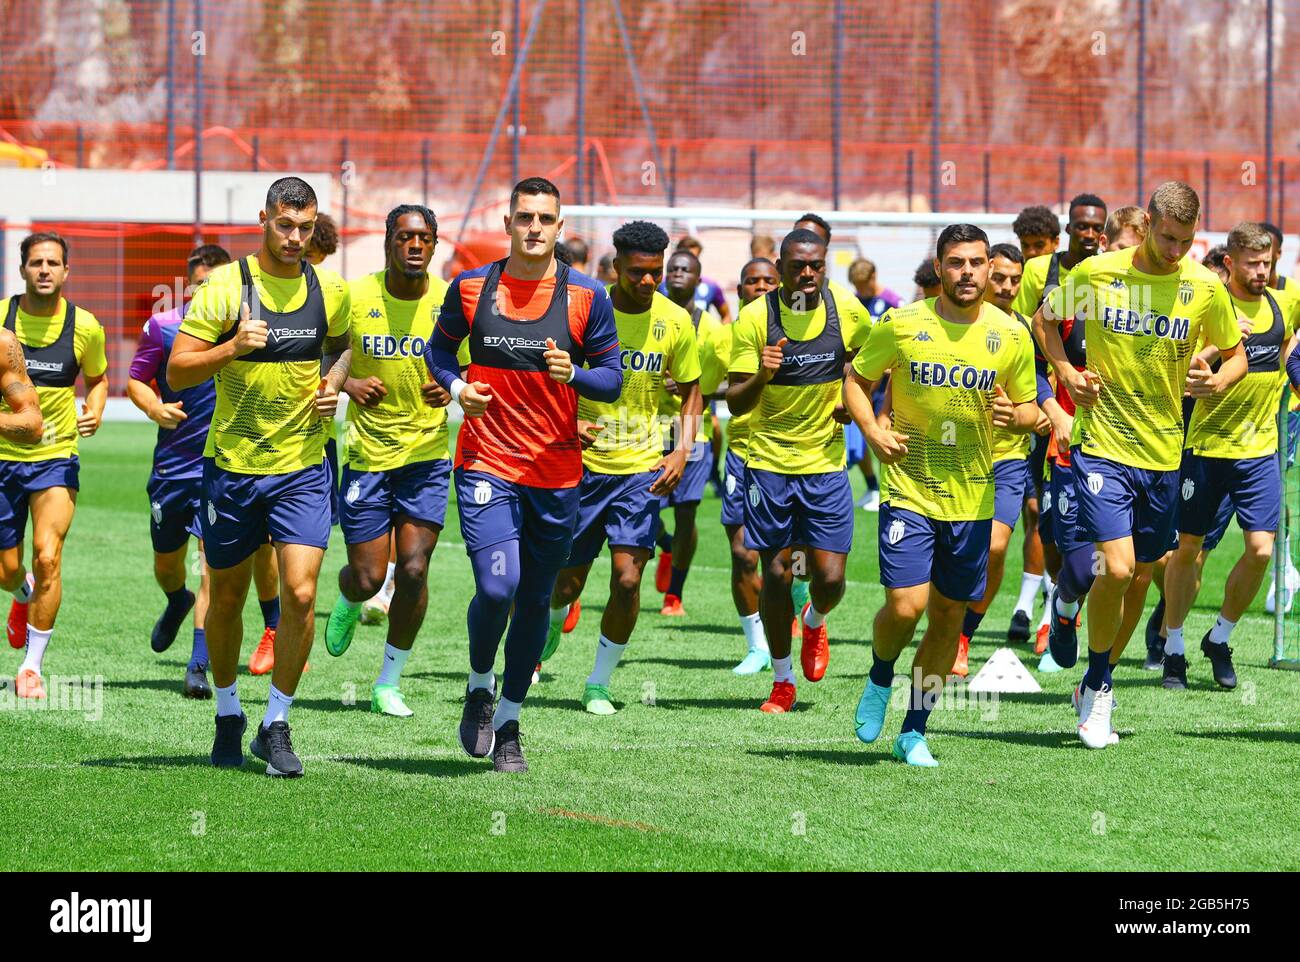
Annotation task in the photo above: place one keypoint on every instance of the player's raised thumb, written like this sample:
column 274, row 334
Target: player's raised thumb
column 999, row 390
column 321, row 387
column 783, row 342
column 550, row 343
column 1200, row 364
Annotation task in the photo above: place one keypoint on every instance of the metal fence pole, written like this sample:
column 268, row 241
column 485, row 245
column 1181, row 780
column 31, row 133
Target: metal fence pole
column 198, row 128
column 171, row 85
column 343, row 217
column 1060, row 181
column 837, row 103
column 753, row 177
column 911, row 164
column 257, row 152
column 1205, row 196
column 1281, row 198
column 81, row 147
column 1140, row 149
column 591, row 173
column 514, row 140
column 1268, row 112
column 936, row 53
column 987, row 178
column 580, row 102
column 424, row 172
column 672, row 176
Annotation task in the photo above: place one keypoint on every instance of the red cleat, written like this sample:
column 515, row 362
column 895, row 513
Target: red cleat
column 263, row 659
column 1040, row 642
column 672, row 607
column 815, row 654
column 781, row 700
column 664, row 572
column 17, row 626
column 571, row 619
column 961, row 667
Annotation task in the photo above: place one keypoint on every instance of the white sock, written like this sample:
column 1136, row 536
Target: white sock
column 1066, row 610
column 477, row 681
column 390, row 582
column 1048, row 585
column 23, row 593
column 1174, row 643
column 1047, row 613
column 755, row 637
column 1029, row 585
column 559, row 614
column 37, row 642
column 507, row 711
column 783, row 669
column 1221, row 631
column 228, row 700
column 394, row 662
column 607, row 656
column 351, row 604
column 277, row 707
column 813, row 618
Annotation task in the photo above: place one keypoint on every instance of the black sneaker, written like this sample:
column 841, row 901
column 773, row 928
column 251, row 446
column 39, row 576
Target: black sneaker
column 476, row 735
column 1175, row 671
column 1155, row 644
column 226, row 747
column 507, row 756
column 196, row 683
column 1018, row 633
column 272, row 745
column 169, row 622
column 1220, row 662
column 1063, row 638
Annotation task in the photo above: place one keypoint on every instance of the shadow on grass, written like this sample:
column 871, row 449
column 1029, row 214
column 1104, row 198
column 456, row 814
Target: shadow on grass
column 429, row 767
column 459, row 676
column 684, row 662
column 830, row 756
column 154, row 684
column 150, row 761
column 1249, row 735
column 1038, row 739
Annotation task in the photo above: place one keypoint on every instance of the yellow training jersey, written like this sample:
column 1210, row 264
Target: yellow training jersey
column 943, row 379
column 1242, row 422
column 1008, row 445
column 265, row 420
column 58, row 404
column 1034, row 281
column 388, row 336
column 1142, row 330
column 657, row 342
column 791, row 429
column 713, row 342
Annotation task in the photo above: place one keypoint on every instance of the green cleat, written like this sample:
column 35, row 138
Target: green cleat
column 387, row 700
column 800, row 595
column 595, row 700
column 553, row 634
column 341, row 626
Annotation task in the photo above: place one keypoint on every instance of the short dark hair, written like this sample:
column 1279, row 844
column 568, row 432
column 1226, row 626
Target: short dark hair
column 683, row 252
column 959, row 234
column 206, row 255
column 1085, row 200
column 291, row 192
column 1010, row 251
column 1213, row 258
column 43, row 237
column 801, row 235
column 578, row 249
column 325, row 237
column 400, row 211
column 926, row 275
column 1036, row 221
column 533, row 185
column 563, row 254
column 1275, row 231
column 641, row 237
column 755, row 260
column 820, row 221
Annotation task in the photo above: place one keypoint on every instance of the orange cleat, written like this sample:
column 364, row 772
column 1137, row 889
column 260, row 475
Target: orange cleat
column 571, row 620
column 672, row 607
column 17, row 626
column 794, row 628
column 664, row 572
column 781, row 700
column 28, row 684
column 961, row 667
column 815, row 654
column 263, row 659
column 1040, row 642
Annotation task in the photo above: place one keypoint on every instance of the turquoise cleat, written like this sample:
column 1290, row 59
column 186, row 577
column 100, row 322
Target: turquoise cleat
column 799, row 595
column 1047, row 663
column 754, row 661
column 910, row 747
column 869, row 719
column 341, row 626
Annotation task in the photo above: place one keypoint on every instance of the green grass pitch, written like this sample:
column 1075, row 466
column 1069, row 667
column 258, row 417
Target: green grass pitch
column 688, row 775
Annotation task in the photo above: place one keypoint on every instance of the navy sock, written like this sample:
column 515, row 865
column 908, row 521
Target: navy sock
column 919, row 706
column 1098, row 669
column 677, row 581
column 199, row 653
column 664, row 540
column 178, row 598
column 873, row 483
column 970, row 624
column 882, row 672
column 271, row 612
column 1109, row 669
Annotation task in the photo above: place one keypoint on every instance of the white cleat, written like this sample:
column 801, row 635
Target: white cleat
column 870, row 501
column 1114, row 704
column 1095, row 717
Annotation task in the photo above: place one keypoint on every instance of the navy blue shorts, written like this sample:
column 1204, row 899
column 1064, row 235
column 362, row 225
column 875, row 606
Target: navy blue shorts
column 174, row 508
column 493, row 511
column 1252, row 487
column 733, row 490
column 1037, row 458
column 243, row 511
column 1222, row 518
column 1117, row 501
column 19, row 480
column 373, row 501
column 690, row 489
column 332, row 465
column 1063, row 501
column 951, row 555
column 788, row 509
column 617, row 508
column 1010, row 481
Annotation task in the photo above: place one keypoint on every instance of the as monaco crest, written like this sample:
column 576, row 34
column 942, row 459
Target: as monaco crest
column 896, row 529
column 482, row 492
column 993, row 342
column 659, row 330
column 1185, row 292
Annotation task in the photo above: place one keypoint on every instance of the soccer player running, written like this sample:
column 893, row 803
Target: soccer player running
column 1231, row 455
column 58, row 341
column 681, row 278
column 1145, row 309
column 757, row 278
column 175, row 487
column 531, row 324
column 1011, row 481
column 625, row 472
column 961, row 369
column 397, row 470
column 789, row 350
column 260, row 328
